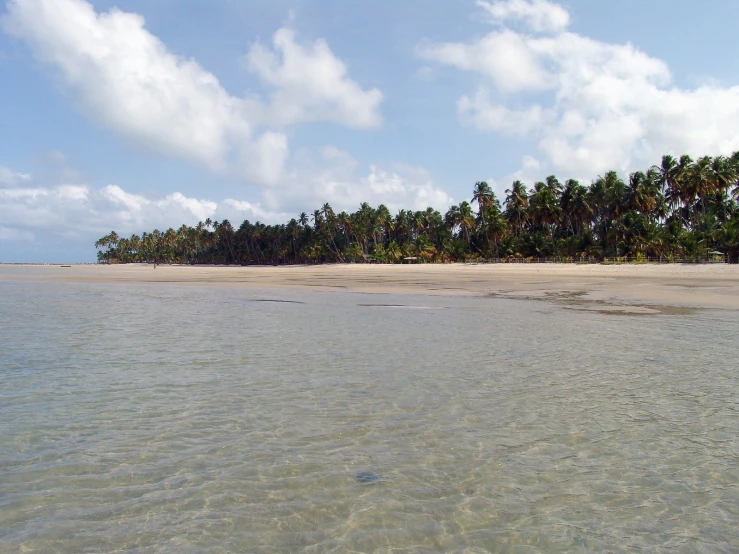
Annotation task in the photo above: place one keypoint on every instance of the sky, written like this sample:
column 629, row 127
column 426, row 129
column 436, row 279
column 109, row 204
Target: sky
column 131, row 115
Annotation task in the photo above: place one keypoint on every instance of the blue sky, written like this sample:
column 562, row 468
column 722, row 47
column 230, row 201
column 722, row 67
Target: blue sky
column 133, row 115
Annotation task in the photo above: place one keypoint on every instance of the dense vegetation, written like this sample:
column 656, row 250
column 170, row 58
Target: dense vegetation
column 679, row 210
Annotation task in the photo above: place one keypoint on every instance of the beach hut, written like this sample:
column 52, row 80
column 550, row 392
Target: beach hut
column 716, row 257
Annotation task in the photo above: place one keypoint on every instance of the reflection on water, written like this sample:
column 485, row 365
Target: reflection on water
column 158, row 418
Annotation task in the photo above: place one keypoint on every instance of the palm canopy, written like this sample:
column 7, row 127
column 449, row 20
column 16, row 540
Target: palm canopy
column 680, row 207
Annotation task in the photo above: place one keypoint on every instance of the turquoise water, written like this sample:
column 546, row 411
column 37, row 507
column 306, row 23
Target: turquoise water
column 170, row 418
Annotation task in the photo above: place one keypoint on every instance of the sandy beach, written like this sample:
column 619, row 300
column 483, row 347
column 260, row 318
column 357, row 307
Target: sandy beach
column 605, row 288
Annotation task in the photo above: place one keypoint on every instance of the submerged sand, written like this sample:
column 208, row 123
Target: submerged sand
column 614, row 289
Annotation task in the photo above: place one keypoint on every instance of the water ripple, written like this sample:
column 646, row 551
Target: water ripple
column 156, row 418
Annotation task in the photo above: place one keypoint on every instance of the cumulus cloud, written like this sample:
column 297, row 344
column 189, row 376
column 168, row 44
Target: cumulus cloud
column 11, row 179
column 338, row 178
column 590, row 105
column 481, row 112
column 124, row 78
column 237, row 211
column 529, row 171
column 311, row 84
column 505, row 57
column 538, row 15
column 81, row 213
column 137, row 212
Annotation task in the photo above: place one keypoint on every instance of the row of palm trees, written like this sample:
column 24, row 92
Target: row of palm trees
column 681, row 209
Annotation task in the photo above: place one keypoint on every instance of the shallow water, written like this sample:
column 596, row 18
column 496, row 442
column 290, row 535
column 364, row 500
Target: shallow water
column 172, row 418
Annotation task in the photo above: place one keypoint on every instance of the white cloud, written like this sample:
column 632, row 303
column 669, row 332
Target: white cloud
column 138, row 213
column 311, row 84
column 336, row 178
column 506, row 58
column 265, row 162
column 125, row 79
column 11, row 179
column 15, row 235
column 597, row 106
column 481, row 112
column 537, row 15
column 528, row 173
column 81, row 213
column 236, row 211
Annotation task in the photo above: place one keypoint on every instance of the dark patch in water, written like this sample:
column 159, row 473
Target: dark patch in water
column 407, row 306
column 367, row 477
column 577, row 301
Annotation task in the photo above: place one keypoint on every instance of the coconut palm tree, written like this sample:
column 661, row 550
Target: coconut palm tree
column 483, row 195
column 668, row 175
column 466, row 220
column 680, row 207
column 495, row 228
column 574, row 207
column 641, row 193
column 544, row 209
column 517, row 205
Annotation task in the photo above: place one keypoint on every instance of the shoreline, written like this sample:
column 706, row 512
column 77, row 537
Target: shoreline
column 618, row 288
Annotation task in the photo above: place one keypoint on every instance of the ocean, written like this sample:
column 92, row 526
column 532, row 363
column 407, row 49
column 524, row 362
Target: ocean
column 178, row 418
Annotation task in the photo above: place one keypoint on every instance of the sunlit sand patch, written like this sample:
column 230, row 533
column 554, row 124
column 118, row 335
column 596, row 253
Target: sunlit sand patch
column 676, row 310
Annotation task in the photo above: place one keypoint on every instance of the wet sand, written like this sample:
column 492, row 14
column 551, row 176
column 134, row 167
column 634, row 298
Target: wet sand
column 615, row 289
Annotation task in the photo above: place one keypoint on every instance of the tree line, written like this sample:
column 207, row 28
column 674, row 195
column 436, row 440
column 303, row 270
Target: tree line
column 681, row 209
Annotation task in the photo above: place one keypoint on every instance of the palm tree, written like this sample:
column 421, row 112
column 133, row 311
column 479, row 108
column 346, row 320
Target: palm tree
column 574, row 206
column 724, row 174
column 554, row 185
column 317, row 219
column 641, row 194
column 677, row 208
column 109, row 241
column 517, row 204
column 495, row 227
column 483, row 195
column 384, row 223
column 683, row 170
column 393, row 252
column 544, row 209
column 698, row 183
column 668, row 174
column 466, row 220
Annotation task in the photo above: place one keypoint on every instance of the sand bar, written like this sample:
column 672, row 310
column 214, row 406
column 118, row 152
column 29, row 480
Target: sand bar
column 612, row 288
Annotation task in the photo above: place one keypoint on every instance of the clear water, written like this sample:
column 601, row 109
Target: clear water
column 170, row 418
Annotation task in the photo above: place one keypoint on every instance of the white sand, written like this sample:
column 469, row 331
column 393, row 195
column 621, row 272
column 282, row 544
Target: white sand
column 630, row 288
